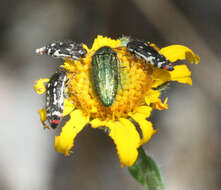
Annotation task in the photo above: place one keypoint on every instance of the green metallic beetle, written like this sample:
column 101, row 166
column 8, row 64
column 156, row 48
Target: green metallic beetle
column 106, row 74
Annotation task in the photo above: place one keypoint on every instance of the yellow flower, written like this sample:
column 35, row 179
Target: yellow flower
column 138, row 94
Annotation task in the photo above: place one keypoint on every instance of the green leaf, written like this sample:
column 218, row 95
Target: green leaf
column 146, row 171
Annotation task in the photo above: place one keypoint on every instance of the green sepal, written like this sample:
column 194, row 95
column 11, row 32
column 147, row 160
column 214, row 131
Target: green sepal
column 163, row 87
column 124, row 40
column 146, row 172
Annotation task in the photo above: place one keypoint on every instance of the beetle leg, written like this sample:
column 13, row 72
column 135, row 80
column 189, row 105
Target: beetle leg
column 45, row 125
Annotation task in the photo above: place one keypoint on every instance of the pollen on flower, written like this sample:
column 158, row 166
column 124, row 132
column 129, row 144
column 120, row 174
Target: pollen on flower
column 134, row 85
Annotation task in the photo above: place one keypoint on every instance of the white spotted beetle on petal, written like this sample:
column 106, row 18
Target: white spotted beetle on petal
column 149, row 54
column 55, row 97
column 71, row 50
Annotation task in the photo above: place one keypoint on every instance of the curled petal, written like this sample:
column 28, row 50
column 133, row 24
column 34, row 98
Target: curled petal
column 145, row 126
column 179, row 52
column 65, row 141
column 40, row 87
column 181, row 74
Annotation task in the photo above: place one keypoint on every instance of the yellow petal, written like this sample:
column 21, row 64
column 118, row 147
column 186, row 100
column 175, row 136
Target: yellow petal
column 181, row 74
column 156, row 102
column 68, row 107
column 101, row 41
column 179, row 52
column 42, row 114
column 40, row 87
column 95, row 123
column 85, row 47
column 43, row 117
column 127, row 140
column 65, row 141
column 159, row 77
column 125, row 136
column 144, row 110
column 152, row 97
column 159, row 105
column 145, row 126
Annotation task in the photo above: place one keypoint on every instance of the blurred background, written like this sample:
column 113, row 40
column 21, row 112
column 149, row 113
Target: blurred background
column 188, row 144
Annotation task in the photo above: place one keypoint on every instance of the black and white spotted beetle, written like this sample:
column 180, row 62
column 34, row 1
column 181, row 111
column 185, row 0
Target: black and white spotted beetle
column 55, row 98
column 71, row 50
column 148, row 53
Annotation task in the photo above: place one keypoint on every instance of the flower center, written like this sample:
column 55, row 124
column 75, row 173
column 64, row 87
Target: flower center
column 134, row 84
